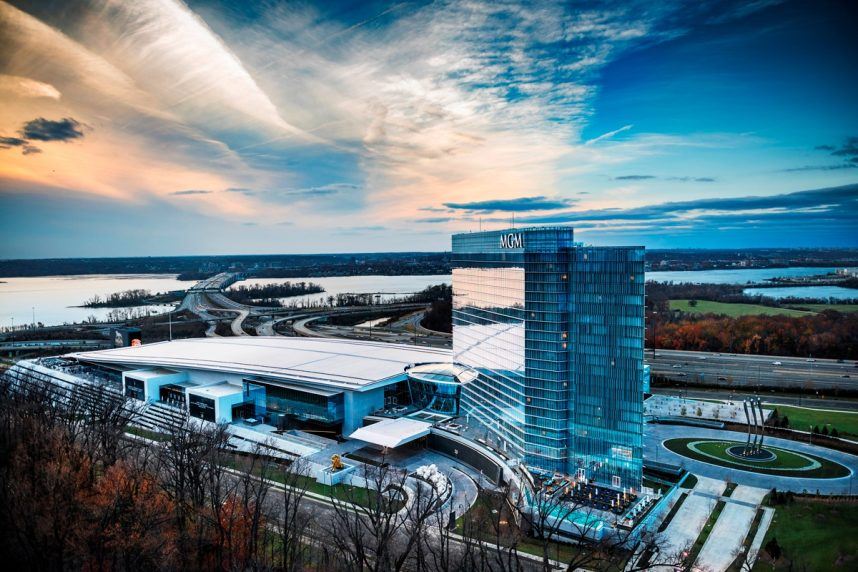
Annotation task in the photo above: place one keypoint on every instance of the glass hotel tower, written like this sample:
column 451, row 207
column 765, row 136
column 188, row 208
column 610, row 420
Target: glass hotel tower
column 556, row 331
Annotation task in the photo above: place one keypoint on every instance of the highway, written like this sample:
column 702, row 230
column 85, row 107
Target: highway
column 730, row 371
column 402, row 331
column 749, row 371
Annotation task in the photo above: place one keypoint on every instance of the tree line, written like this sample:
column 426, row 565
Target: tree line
column 269, row 294
column 828, row 334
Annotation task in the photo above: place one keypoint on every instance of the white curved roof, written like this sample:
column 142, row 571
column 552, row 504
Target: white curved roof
column 346, row 364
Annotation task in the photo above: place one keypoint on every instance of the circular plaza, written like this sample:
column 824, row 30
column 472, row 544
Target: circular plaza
column 767, row 460
column 781, row 463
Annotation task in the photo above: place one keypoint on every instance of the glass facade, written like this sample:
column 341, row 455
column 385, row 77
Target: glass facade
column 271, row 398
column 555, row 330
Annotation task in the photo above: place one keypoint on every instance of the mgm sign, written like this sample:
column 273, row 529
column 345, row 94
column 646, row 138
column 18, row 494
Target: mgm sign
column 512, row 240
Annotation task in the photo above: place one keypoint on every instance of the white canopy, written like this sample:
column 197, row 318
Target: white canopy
column 392, row 432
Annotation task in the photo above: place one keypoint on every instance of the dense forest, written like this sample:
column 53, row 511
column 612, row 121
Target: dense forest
column 659, row 294
column 828, row 334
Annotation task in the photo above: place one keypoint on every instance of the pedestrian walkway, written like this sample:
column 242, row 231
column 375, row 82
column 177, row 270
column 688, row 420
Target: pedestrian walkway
column 691, row 517
column 733, row 525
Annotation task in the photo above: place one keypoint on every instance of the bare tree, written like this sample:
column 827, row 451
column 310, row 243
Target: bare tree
column 293, row 519
column 372, row 528
column 490, row 536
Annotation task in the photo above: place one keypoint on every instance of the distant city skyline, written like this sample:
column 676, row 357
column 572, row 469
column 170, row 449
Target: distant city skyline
column 211, row 127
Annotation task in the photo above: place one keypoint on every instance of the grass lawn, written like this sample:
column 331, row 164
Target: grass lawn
column 845, row 308
column 734, row 310
column 785, row 459
column 664, row 523
column 815, row 535
column 358, row 495
column 800, row 418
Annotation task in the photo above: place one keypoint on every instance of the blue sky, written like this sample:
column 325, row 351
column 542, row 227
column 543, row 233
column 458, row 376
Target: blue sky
column 163, row 127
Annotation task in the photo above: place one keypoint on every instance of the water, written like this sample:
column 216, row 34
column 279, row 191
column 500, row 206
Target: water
column 824, row 292
column 388, row 286
column 733, row 276
column 54, row 297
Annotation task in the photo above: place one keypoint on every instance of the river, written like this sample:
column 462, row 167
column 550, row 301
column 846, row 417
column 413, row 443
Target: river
column 55, row 298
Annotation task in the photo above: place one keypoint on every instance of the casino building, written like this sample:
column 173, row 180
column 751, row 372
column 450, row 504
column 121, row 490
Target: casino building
column 555, row 330
column 546, row 370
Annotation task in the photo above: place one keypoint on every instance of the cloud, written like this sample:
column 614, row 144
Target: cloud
column 361, row 229
column 323, row 190
column 680, row 179
column 249, row 224
column 26, row 148
column 832, row 202
column 848, row 149
column 41, row 129
column 609, row 134
column 240, row 190
column 434, row 219
column 522, row 204
column 6, row 142
column 190, row 192
column 634, row 177
column 692, row 179
column 26, row 87
column 820, row 168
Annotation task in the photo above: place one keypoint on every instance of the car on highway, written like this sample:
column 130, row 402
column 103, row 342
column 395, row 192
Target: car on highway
column 703, row 357
column 846, row 375
column 722, row 378
column 777, row 363
column 810, row 360
column 676, row 365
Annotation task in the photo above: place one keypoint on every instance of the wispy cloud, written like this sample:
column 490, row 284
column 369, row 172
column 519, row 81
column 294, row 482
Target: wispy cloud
column 190, row 192
column 838, row 205
column 634, row 177
column 521, row 204
column 609, row 134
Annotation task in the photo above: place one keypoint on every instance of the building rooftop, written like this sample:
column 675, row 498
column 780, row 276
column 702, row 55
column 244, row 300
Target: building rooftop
column 217, row 390
column 154, row 372
column 392, row 432
column 345, row 364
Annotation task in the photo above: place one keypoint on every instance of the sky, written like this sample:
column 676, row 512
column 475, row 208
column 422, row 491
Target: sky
column 161, row 127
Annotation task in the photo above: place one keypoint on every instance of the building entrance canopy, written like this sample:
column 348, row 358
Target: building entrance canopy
column 392, row 432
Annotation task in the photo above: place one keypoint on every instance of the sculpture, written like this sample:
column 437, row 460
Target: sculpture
column 337, row 463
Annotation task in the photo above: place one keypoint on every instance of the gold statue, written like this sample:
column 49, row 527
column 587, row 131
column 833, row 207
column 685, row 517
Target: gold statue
column 336, row 463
